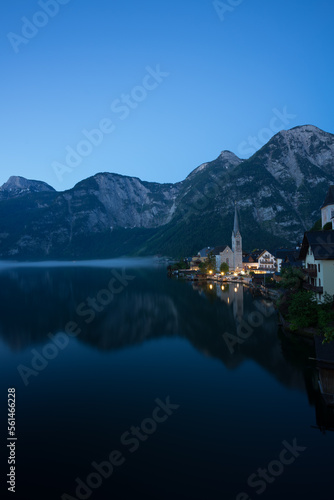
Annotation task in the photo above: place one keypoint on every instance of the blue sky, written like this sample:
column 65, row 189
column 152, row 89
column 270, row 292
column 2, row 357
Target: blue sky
column 169, row 84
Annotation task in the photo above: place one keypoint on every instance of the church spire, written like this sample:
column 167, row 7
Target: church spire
column 236, row 221
column 236, row 242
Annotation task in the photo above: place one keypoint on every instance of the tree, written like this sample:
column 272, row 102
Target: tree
column 326, row 318
column 327, row 226
column 182, row 264
column 303, row 310
column 317, row 226
column 209, row 264
column 224, row 267
column 292, row 278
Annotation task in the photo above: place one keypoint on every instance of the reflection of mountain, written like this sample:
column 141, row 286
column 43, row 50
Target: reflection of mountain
column 36, row 302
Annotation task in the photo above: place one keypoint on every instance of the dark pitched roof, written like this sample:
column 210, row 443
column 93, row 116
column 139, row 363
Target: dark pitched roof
column 287, row 256
column 218, row 250
column 329, row 200
column 282, row 253
column 251, row 257
column 204, row 252
column 247, row 258
column 321, row 243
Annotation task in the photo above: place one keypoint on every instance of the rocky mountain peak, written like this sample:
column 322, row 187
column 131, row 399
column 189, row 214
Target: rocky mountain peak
column 16, row 186
column 280, row 190
column 229, row 156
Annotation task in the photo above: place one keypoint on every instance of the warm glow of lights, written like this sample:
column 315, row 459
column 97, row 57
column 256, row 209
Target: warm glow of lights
column 210, row 272
column 235, row 274
column 228, row 300
column 235, row 289
column 223, row 288
column 222, row 274
column 211, row 287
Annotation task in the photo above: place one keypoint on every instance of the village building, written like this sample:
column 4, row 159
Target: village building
column 223, row 254
column 287, row 258
column 266, row 262
column 231, row 256
column 200, row 257
column 317, row 252
column 260, row 262
column 250, row 262
column 327, row 209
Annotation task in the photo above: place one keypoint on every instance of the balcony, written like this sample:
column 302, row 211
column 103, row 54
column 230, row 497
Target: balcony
column 313, row 288
column 311, row 272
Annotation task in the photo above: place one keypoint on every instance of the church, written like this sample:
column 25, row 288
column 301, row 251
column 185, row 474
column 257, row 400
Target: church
column 236, row 243
column 232, row 256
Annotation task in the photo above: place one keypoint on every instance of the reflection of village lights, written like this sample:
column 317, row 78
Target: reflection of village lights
column 223, row 288
column 235, row 289
column 228, row 300
column 238, row 285
column 211, row 287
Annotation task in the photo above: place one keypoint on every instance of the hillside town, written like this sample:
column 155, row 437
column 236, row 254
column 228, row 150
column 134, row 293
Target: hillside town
column 314, row 256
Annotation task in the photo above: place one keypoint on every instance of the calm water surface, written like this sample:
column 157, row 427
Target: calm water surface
column 153, row 369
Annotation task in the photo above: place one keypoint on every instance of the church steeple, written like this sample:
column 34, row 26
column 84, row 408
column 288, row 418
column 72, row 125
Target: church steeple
column 236, row 220
column 236, row 242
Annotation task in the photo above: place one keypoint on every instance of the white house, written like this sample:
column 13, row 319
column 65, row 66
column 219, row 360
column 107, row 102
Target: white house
column 260, row 262
column 317, row 252
column 266, row 262
column 327, row 209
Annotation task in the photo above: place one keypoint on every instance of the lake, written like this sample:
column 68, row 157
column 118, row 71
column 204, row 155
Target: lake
column 132, row 385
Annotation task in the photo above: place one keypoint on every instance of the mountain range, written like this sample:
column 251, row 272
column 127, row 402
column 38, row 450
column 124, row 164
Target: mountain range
column 279, row 192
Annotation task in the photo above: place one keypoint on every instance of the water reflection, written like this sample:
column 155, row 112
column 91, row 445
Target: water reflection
column 37, row 302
